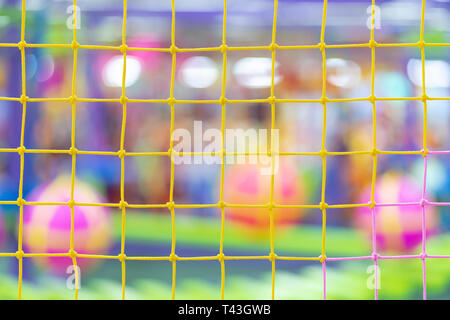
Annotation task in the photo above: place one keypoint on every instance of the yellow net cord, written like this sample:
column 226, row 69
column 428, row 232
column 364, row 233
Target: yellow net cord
column 223, row 101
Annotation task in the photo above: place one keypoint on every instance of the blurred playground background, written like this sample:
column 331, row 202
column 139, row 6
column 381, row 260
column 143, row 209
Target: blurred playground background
column 298, row 75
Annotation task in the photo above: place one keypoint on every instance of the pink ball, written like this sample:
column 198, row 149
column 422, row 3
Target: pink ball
column 245, row 184
column 47, row 228
column 398, row 228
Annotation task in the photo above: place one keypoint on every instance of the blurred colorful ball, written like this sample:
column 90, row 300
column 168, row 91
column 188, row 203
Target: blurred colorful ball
column 398, row 228
column 250, row 184
column 47, row 228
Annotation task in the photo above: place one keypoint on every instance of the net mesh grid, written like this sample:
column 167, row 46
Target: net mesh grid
column 273, row 47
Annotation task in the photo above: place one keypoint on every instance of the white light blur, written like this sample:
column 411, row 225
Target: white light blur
column 199, row 72
column 113, row 70
column 254, row 72
column 46, row 68
column 437, row 73
column 343, row 73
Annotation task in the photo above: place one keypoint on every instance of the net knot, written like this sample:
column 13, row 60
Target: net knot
column 221, row 257
column 423, row 256
column 123, row 48
column 122, row 204
column 372, row 204
column 223, row 48
column 372, row 44
column 72, row 253
column 273, row 256
column 323, row 100
column 374, row 152
column 375, row 256
column 122, row 257
column 123, row 99
column 121, row 153
column 174, row 153
column 171, row 101
column 270, row 206
column 223, row 100
column 170, row 205
column 75, row 45
column 424, row 98
column 321, row 46
column 271, row 99
column 423, row 202
column 421, row 44
column 23, row 99
column 20, row 202
column 323, row 153
column 173, row 49
column 372, row 99
column 173, row 257
column 322, row 258
column 424, row 152
column 19, row 254
column 323, row 205
column 221, row 204
column 73, row 99
column 73, row 151
column 71, row 204
column 21, row 45
column 21, row 150
column 273, row 47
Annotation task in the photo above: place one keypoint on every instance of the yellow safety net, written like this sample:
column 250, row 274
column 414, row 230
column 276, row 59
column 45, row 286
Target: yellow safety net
column 273, row 47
